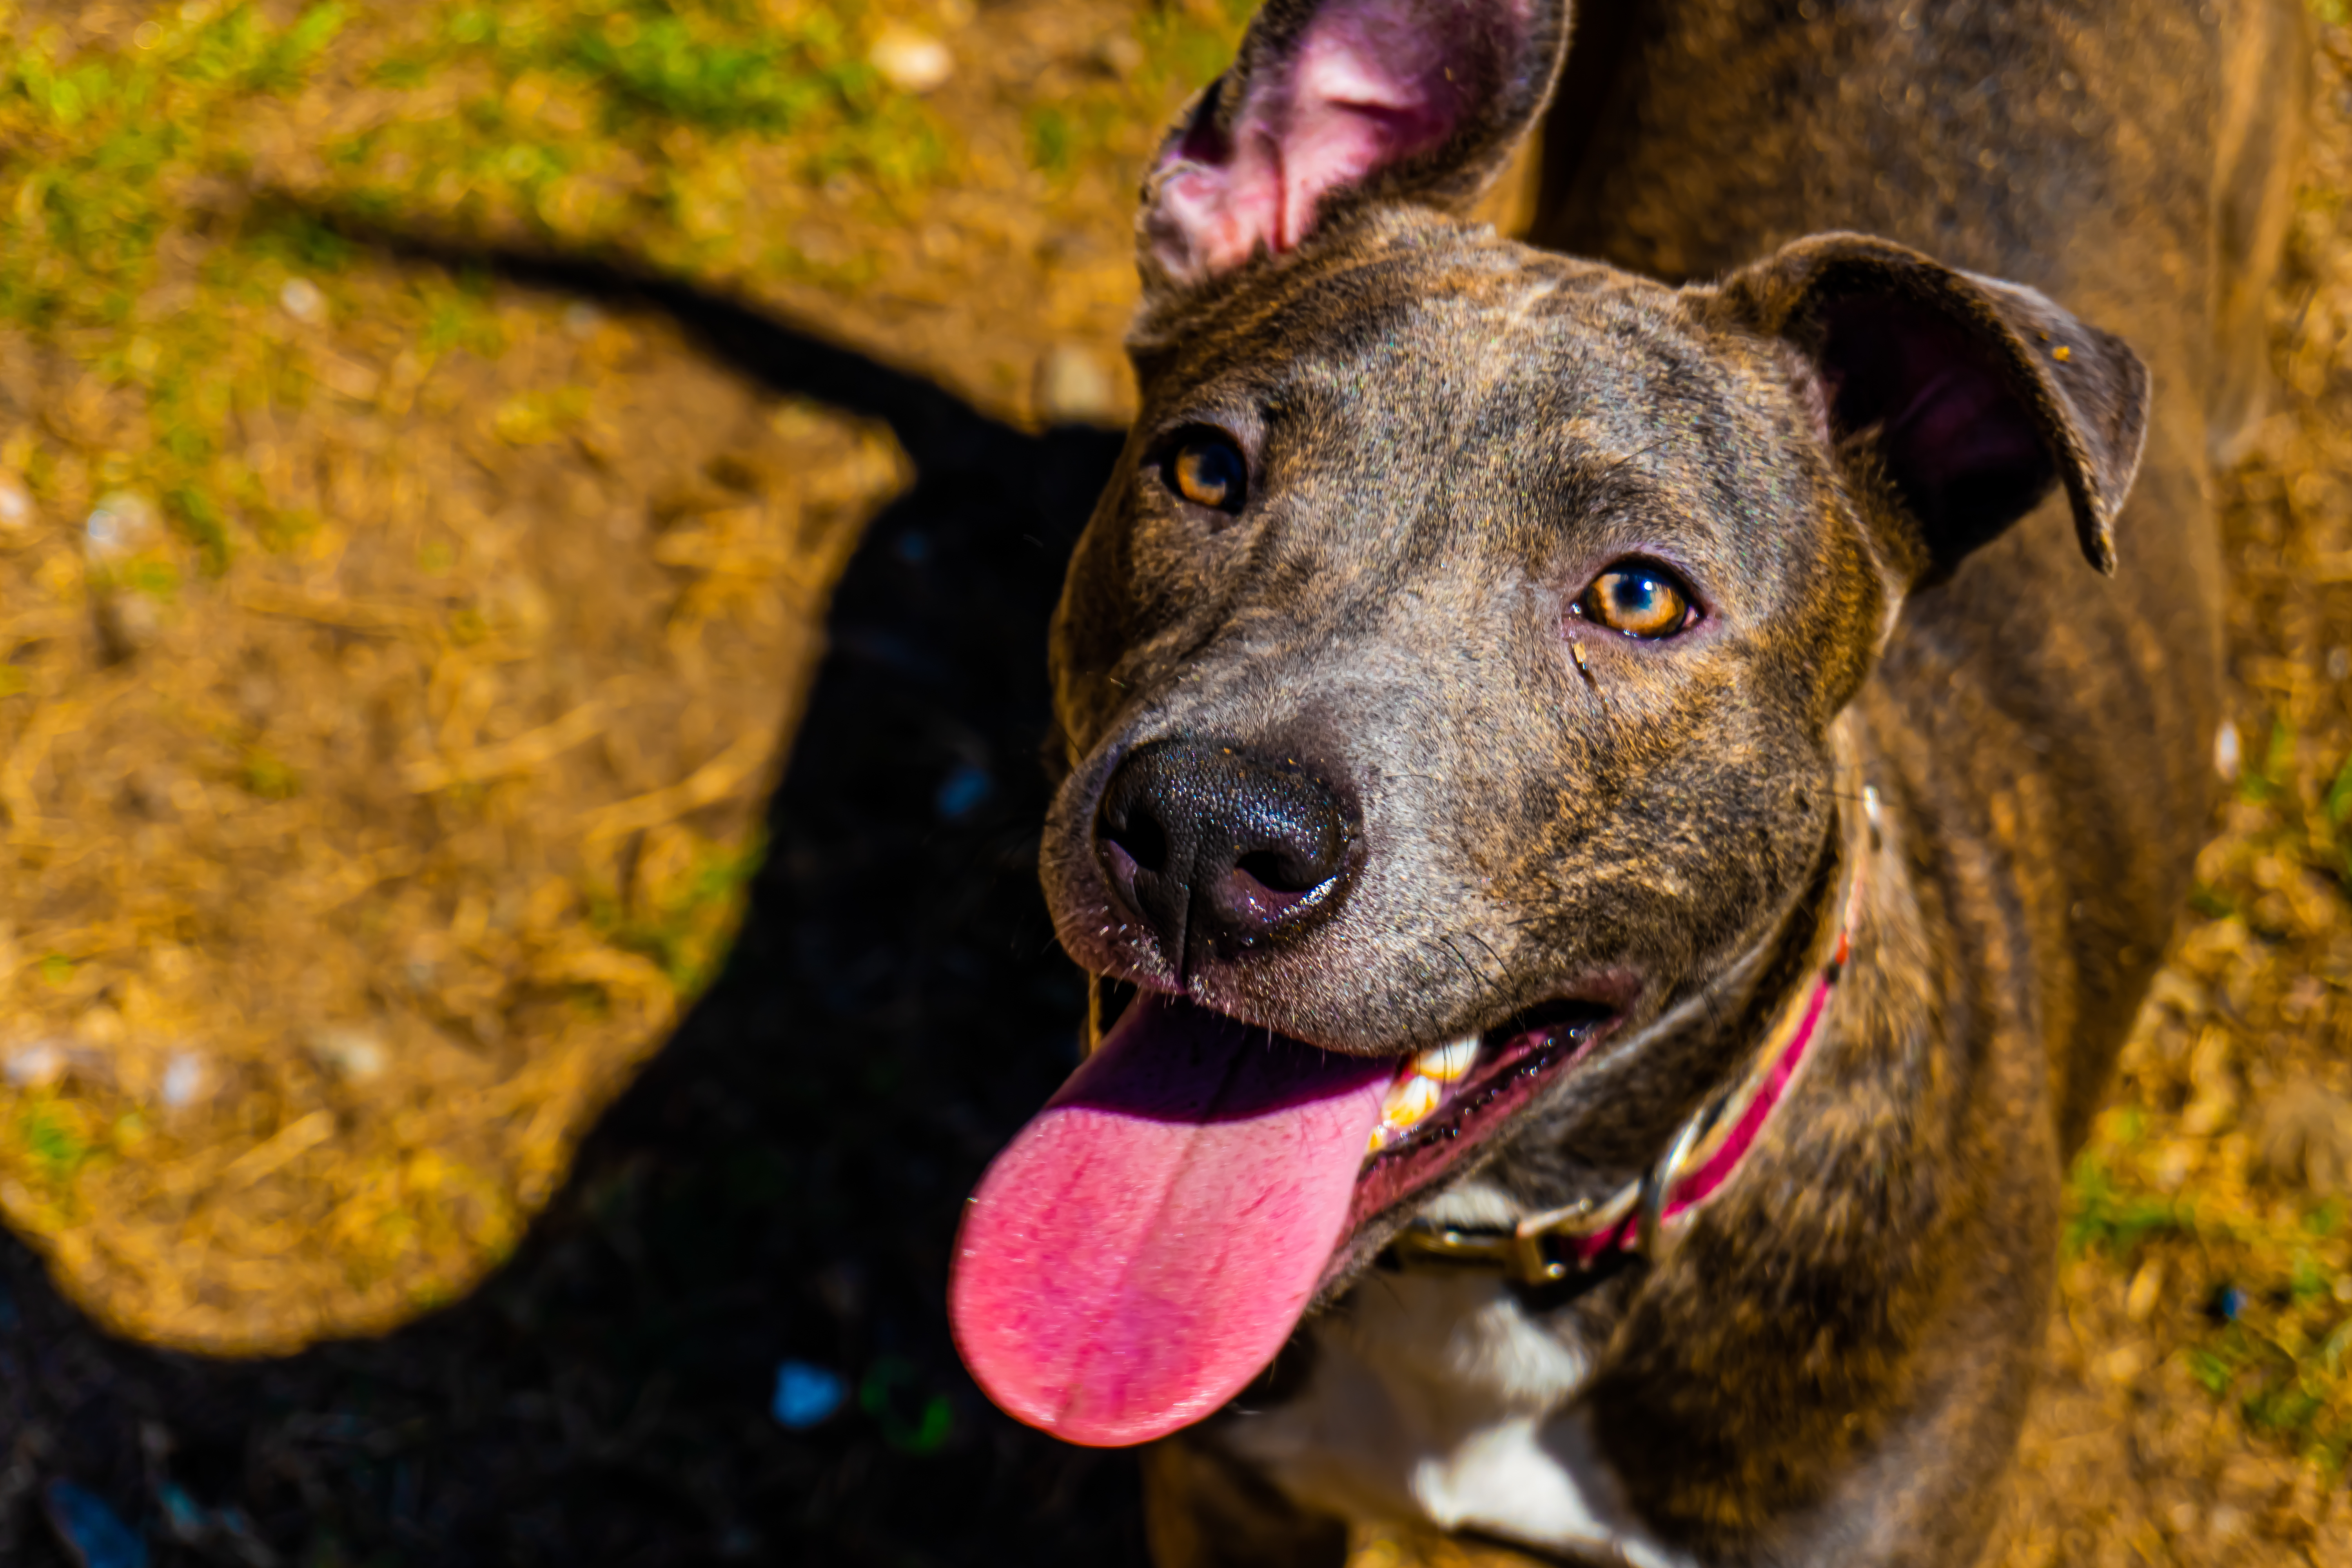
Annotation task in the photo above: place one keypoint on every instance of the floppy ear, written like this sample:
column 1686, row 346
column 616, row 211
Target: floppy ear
column 1331, row 100
column 1973, row 396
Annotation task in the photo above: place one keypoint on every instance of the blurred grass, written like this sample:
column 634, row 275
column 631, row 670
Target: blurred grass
column 448, row 112
column 2208, row 1251
column 687, row 134
column 298, row 600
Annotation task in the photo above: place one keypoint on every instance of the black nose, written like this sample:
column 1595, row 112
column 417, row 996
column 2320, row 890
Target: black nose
column 1208, row 845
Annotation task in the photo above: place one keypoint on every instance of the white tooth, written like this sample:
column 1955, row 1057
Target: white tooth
column 1447, row 1063
column 1395, row 1096
column 1410, row 1100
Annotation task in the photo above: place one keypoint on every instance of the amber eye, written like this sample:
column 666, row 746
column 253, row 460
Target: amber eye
column 1208, row 470
column 1639, row 600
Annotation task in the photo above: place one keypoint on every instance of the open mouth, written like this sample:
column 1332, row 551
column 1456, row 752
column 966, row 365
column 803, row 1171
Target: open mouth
column 1145, row 1245
column 1445, row 1101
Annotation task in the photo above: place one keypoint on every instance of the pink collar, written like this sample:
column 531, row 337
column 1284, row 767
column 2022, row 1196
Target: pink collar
column 1546, row 1249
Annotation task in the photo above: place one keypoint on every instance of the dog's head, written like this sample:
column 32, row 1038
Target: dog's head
column 1453, row 666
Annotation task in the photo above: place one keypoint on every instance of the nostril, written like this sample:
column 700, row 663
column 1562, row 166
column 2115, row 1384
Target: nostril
column 1251, row 904
column 1145, row 841
column 1281, row 873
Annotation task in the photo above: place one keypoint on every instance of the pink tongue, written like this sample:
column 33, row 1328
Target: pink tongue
column 1143, row 1248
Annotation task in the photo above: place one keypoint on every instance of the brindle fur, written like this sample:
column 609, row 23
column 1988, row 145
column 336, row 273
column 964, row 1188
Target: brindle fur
column 1450, row 433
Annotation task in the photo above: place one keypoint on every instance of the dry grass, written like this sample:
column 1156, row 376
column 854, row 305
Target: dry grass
column 2197, row 1406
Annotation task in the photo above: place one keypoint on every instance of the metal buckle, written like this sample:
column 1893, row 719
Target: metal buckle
column 1520, row 1251
column 1658, row 1185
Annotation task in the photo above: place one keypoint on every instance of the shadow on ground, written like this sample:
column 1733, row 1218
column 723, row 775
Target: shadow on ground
column 783, row 1182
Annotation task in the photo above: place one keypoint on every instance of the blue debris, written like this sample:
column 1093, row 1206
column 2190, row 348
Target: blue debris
column 806, row 1395
column 91, row 1531
column 2227, row 1303
column 182, row 1515
column 914, row 547
column 232, row 1519
column 963, row 792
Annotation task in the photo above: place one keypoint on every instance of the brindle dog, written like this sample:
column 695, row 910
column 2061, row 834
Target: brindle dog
column 1638, row 832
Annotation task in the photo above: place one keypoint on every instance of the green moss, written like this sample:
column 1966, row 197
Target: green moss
column 682, row 923
column 1050, row 138
column 268, row 776
column 286, row 57
column 660, row 65
column 570, row 124
column 49, row 1139
column 192, row 508
column 54, row 1147
column 2104, row 1215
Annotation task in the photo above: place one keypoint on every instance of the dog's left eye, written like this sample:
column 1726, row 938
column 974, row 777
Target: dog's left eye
column 1637, row 599
column 1207, row 471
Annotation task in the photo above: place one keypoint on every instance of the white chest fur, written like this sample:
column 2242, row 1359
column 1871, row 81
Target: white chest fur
column 1435, row 1399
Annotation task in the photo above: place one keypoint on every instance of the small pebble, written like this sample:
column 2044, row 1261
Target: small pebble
column 911, row 61
column 581, row 319
column 2225, row 750
column 15, row 505
column 37, row 1066
column 2339, row 663
column 101, row 1026
column 1120, row 55
column 184, row 1079
column 300, row 297
column 120, row 524
column 354, row 1053
column 806, row 1395
column 91, row 1531
column 1074, row 388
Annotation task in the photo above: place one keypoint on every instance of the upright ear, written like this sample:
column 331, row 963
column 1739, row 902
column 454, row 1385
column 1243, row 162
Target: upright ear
column 1332, row 100
column 1969, row 397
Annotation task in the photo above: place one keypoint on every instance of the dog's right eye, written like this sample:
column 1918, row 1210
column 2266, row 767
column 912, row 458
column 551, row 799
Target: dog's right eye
column 1640, row 600
column 1208, row 470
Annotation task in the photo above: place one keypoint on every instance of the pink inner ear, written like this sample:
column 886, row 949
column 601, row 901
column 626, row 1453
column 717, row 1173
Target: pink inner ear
column 1372, row 82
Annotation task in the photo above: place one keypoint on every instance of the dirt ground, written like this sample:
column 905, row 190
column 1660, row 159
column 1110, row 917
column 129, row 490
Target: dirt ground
column 429, row 437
